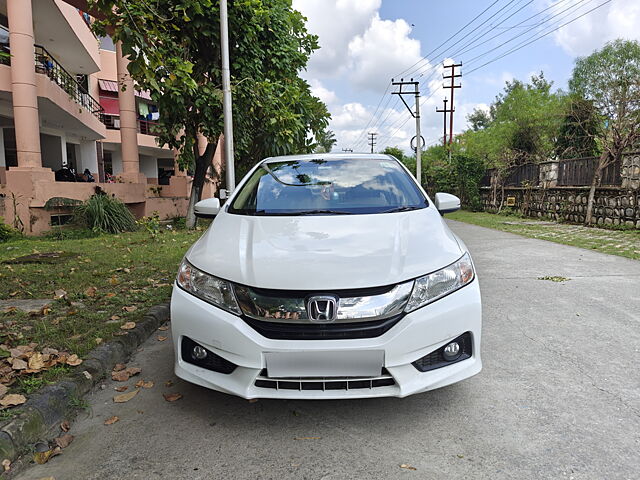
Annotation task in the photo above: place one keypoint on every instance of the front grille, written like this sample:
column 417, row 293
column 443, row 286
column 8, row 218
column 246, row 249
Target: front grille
column 327, row 331
column 325, row 383
column 436, row 359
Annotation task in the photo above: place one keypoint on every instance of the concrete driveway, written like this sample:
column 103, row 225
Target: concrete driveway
column 559, row 396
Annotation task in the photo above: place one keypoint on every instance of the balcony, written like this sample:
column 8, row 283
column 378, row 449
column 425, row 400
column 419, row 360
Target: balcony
column 47, row 65
column 145, row 127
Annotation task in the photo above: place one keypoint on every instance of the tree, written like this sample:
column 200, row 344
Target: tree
column 326, row 140
column 577, row 137
column 173, row 48
column 610, row 78
column 479, row 119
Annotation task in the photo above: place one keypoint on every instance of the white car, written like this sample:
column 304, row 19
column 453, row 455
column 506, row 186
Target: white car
column 327, row 276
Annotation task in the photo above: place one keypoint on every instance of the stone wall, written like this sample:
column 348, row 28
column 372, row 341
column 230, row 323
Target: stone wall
column 612, row 205
column 630, row 171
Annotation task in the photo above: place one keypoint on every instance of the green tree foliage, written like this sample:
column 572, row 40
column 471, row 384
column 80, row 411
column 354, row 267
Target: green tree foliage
column 610, row 78
column 174, row 52
column 577, row 136
column 325, row 140
column 479, row 119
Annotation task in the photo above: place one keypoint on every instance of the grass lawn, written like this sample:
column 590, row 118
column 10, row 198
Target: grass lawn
column 94, row 286
column 625, row 243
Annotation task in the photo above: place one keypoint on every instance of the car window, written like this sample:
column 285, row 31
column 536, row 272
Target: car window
column 340, row 186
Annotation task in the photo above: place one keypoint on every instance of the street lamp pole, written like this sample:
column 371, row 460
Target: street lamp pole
column 226, row 98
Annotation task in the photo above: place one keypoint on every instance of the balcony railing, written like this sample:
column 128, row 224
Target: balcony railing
column 145, row 127
column 47, row 65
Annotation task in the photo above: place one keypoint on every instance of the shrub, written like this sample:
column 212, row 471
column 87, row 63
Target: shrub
column 7, row 232
column 105, row 214
column 151, row 224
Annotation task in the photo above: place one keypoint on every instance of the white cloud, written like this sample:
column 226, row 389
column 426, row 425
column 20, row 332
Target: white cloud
column 336, row 22
column 383, row 50
column 329, row 97
column 619, row 19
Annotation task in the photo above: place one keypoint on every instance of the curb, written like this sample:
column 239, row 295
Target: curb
column 42, row 414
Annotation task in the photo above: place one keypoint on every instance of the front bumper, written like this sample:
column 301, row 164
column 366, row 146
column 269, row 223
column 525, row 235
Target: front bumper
column 414, row 336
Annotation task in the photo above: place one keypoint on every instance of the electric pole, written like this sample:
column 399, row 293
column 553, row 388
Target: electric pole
column 372, row 140
column 452, row 87
column 445, row 110
column 226, row 98
column 416, row 93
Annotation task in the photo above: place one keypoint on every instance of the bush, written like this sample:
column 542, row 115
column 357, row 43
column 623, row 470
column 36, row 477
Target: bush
column 151, row 224
column 105, row 214
column 7, row 232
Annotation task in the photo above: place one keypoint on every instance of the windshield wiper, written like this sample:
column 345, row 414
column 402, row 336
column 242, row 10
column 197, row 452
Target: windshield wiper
column 320, row 212
column 405, row 208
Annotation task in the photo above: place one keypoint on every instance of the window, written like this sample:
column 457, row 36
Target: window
column 320, row 186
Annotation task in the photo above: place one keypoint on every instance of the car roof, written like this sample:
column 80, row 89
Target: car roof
column 329, row 156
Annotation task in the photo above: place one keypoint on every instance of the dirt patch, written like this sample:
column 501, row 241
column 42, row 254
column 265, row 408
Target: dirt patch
column 46, row 258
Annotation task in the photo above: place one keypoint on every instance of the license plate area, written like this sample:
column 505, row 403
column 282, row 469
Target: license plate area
column 366, row 363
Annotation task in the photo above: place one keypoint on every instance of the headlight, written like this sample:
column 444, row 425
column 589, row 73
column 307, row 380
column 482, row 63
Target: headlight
column 207, row 287
column 438, row 284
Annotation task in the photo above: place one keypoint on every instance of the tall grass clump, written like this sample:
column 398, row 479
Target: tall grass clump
column 105, row 214
column 7, row 232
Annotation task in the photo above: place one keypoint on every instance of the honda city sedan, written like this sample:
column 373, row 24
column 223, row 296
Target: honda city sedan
column 327, row 276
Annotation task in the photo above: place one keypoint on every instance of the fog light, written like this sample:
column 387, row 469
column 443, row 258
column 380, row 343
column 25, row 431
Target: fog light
column 199, row 353
column 451, row 352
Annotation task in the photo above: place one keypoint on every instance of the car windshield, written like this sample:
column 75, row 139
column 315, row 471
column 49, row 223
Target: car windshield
column 324, row 187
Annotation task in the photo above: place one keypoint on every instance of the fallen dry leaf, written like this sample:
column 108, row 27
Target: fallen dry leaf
column 49, row 351
column 19, row 364
column 36, row 362
column 164, row 328
column 119, row 366
column 125, row 397
column 408, row 467
column 60, row 293
column 64, row 426
column 6, row 464
column 111, row 421
column 120, row 376
column 143, row 384
column 161, row 338
column 73, row 360
column 113, row 281
column 47, row 478
column 168, row 383
column 98, row 340
column 132, row 371
column 12, row 399
column 172, row 397
column 64, row 441
column 3, row 389
column 46, row 310
column 131, row 308
column 121, row 389
column 87, row 375
column 114, row 318
column 110, row 295
column 128, row 326
column 43, row 457
column 91, row 292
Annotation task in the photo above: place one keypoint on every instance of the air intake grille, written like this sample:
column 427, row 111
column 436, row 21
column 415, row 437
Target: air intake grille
column 326, row 383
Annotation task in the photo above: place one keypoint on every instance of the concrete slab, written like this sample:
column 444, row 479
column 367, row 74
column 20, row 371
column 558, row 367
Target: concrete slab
column 559, row 396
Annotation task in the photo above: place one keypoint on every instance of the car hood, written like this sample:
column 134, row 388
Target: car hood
column 323, row 252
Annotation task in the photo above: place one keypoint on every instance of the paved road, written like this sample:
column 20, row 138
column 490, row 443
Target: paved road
column 559, row 396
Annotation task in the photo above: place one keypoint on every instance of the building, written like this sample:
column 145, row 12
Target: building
column 63, row 112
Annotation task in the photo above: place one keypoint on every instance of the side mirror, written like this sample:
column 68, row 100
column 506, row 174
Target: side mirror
column 207, row 208
column 447, row 203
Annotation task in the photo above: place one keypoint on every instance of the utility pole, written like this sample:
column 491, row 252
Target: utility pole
column 347, row 150
column 445, row 110
column 416, row 93
column 452, row 87
column 226, row 98
column 372, row 140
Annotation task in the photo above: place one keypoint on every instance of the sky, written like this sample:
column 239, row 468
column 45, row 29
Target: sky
column 366, row 43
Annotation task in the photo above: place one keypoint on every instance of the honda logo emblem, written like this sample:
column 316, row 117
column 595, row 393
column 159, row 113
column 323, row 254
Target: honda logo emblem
column 322, row 309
